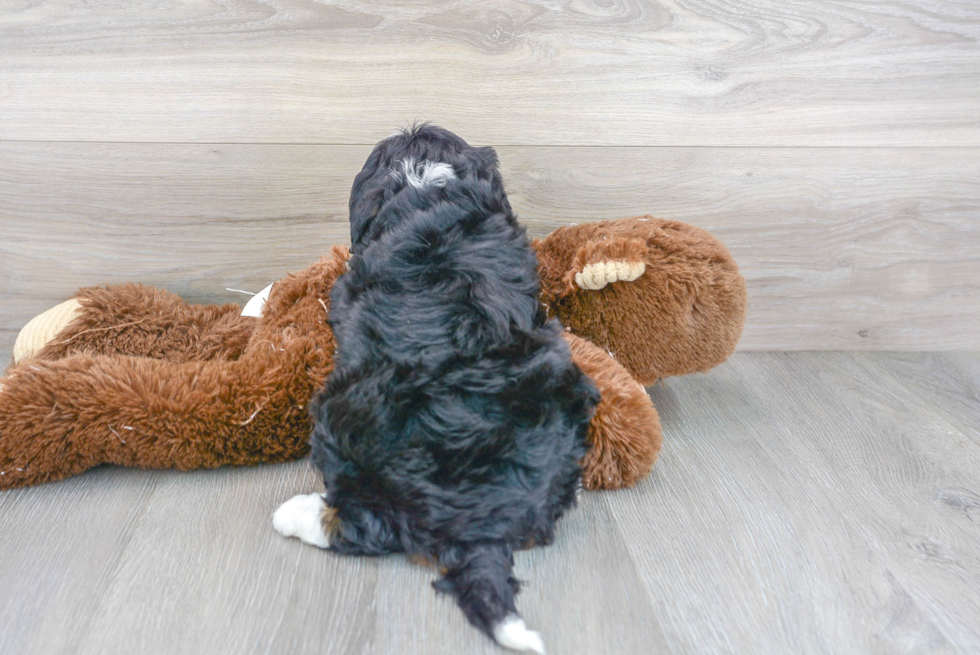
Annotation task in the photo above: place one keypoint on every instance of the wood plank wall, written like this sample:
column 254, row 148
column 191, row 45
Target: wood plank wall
column 199, row 145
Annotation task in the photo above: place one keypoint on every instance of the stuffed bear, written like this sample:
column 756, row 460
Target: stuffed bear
column 134, row 376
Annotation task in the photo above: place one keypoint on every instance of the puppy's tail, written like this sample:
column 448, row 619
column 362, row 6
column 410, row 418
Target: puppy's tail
column 478, row 574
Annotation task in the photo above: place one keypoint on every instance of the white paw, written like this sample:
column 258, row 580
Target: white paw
column 512, row 633
column 302, row 517
column 598, row 275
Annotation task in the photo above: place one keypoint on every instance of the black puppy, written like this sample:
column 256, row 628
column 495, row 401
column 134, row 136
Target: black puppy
column 454, row 421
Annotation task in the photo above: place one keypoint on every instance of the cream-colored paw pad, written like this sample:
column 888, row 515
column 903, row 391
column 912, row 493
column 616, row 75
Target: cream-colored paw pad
column 598, row 275
column 44, row 327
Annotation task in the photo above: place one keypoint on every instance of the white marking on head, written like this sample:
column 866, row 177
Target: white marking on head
column 422, row 174
column 512, row 633
column 302, row 517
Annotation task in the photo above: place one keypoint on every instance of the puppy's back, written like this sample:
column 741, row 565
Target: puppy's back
column 453, row 273
column 455, row 420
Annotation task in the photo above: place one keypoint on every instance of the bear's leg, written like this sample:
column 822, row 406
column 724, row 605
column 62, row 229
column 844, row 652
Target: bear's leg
column 135, row 320
column 624, row 435
column 61, row 417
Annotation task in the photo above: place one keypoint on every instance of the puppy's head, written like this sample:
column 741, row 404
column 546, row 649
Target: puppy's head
column 421, row 157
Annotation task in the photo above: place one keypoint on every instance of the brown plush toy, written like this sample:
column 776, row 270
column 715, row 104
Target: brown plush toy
column 134, row 376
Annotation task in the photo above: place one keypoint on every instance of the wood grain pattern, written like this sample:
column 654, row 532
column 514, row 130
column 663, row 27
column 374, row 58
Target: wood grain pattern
column 949, row 383
column 200, row 570
column 846, row 249
column 805, row 503
column 898, row 470
column 842, row 248
column 205, row 572
column 811, row 492
column 618, row 72
column 60, row 549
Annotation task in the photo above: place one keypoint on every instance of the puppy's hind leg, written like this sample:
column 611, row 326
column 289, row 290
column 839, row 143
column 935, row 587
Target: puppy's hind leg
column 308, row 518
column 304, row 517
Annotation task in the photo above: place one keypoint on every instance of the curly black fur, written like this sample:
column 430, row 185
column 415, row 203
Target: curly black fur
column 454, row 421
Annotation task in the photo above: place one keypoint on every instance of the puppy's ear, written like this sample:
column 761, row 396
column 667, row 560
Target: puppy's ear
column 367, row 194
column 363, row 214
column 486, row 163
column 482, row 164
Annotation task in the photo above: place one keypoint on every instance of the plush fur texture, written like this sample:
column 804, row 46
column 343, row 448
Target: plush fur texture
column 688, row 306
column 202, row 386
column 140, row 356
column 625, row 435
column 62, row 416
column 454, row 422
column 148, row 323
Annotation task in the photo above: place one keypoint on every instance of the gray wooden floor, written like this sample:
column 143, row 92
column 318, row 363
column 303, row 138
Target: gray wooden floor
column 805, row 502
